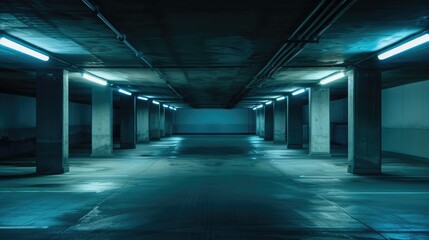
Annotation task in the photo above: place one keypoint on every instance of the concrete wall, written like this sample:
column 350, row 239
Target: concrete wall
column 405, row 119
column 214, row 121
column 18, row 124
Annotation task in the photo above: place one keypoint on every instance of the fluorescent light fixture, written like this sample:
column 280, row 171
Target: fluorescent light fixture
column 332, row 78
column 175, row 109
column 404, row 47
column 259, row 106
column 155, row 102
column 170, row 107
column 124, row 92
column 142, row 98
column 20, row 48
column 299, row 91
column 254, row 108
column 94, row 79
column 280, row 98
column 165, row 105
column 268, row 103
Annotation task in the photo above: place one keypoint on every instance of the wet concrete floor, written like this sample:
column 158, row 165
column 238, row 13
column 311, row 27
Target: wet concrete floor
column 214, row 187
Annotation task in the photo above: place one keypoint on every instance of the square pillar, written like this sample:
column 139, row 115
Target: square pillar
column 168, row 122
column 162, row 120
column 142, row 112
column 52, row 121
column 102, row 122
column 319, row 122
column 268, row 122
column 154, row 122
column 128, row 122
column 294, row 122
column 280, row 121
column 261, row 123
column 364, row 106
column 257, row 122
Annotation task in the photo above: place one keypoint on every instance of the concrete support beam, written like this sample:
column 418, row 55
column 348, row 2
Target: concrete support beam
column 162, row 120
column 294, row 122
column 261, row 123
column 268, row 122
column 364, row 89
column 319, row 122
column 168, row 122
column 258, row 129
column 280, row 121
column 128, row 122
column 102, row 122
column 142, row 111
column 52, row 121
column 154, row 122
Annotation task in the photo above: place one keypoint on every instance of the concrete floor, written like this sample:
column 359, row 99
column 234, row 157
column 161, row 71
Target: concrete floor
column 214, row 187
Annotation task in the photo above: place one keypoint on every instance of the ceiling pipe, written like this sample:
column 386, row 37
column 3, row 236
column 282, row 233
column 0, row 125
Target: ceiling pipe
column 320, row 19
column 123, row 38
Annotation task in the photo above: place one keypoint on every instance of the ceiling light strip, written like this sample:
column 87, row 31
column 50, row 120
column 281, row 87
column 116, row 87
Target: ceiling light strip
column 404, row 47
column 94, row 79
column 299, row 91
column 332, row 78
column 23, row 49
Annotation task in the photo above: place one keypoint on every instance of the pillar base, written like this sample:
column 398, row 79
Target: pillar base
column 100, row 155
column 319, row 155
column 51, row 171
column 294, row 146
column 127, row 146
column 364, row 171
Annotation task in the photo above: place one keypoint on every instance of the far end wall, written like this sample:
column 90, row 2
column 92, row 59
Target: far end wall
column 214, row 121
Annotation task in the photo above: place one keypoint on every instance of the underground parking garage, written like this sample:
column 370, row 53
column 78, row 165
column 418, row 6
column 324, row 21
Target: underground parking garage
column 214, row 119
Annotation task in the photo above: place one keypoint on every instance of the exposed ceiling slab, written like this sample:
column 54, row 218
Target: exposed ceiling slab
column 208, row 51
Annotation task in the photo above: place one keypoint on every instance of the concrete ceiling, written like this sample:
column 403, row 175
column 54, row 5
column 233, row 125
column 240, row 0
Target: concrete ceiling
column 209, row 51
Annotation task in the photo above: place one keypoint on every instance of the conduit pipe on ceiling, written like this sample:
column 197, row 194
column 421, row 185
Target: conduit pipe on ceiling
column 123, row 38
column 320, row 19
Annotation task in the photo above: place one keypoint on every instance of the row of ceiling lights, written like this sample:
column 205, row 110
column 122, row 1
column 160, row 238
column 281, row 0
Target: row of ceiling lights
column 382, row 56
column 326, row 80
column 9, row 43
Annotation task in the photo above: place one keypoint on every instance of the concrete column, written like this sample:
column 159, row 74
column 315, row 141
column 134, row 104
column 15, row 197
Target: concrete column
column 280, row 121
column 154, row 122
column 261, row 123
column 269, row 122
column 52, row 121
column 173, row 119
column 142, row 112
column 128, row 122
column 364, row 89
column 319, row 122
column 294, row 122
column 168, row 122
column 257, row 122
column 162, row 120
column 102, row 122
